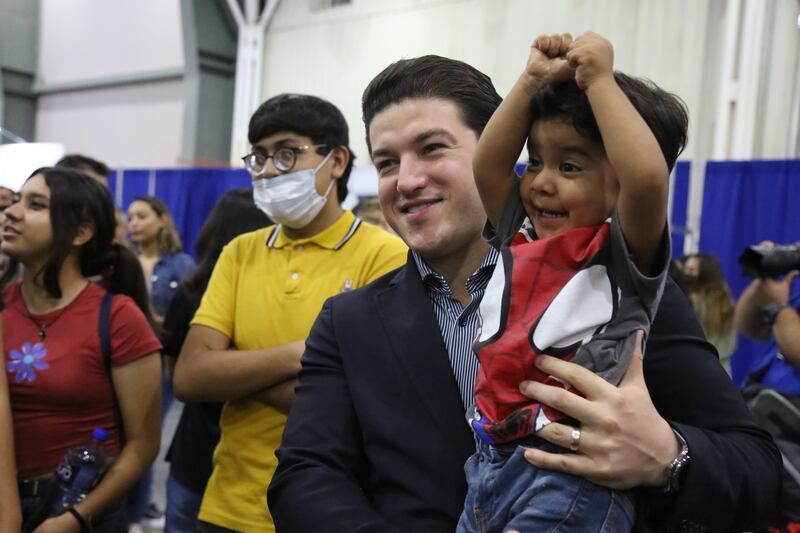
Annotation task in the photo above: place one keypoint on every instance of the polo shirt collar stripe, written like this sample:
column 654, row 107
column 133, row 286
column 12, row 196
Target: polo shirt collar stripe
column 333, row 237
column 353, row 227
column 273, row 236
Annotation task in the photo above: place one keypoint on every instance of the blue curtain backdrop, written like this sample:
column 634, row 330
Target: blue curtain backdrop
column 680, row 197
column 190, row 194
column 745, row 203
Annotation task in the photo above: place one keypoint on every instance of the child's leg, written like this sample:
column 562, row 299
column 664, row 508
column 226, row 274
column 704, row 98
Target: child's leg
column 468, row 522
column 555, row 501
column 492, row 485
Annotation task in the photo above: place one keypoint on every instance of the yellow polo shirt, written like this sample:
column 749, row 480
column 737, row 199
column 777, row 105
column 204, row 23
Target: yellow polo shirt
column 266, row 290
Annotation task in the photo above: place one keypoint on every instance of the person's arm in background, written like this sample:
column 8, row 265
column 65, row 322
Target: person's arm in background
column 786, row 329
column 208, row 368
column 10, row 514
column 209, row 371
column 732, row 480
column 748, row 319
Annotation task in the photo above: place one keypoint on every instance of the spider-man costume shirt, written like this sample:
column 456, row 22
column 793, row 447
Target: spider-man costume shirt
column 577, row 295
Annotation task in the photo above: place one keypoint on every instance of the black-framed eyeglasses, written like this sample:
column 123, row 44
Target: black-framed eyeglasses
column 283, row 158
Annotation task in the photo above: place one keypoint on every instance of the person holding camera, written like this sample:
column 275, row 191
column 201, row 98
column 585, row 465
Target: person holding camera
column 768, row 309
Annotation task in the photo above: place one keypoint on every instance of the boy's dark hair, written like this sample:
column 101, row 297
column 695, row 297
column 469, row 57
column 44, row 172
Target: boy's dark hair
column 305, row 115
column 80, row 162
column 432, row 76
column 663, row 112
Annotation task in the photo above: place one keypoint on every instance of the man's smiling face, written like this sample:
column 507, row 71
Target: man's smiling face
column 423, row 153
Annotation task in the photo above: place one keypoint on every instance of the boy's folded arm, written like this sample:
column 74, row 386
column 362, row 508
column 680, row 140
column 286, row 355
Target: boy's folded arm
column 641, row 169
column 500, row 145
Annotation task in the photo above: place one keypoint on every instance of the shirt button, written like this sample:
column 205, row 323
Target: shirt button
column 298, row 248
column 295, row 275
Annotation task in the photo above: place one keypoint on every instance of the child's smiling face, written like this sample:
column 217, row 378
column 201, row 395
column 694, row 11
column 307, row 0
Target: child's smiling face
column 568, row 182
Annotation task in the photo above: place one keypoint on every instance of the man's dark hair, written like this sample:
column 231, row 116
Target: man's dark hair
column 663, row 112
column 81, row 162
column 432, row 76
column 305, row 115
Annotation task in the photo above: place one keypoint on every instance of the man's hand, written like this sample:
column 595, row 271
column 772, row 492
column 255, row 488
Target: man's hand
column 547, row 62
column 592, row 58
column 624, row 441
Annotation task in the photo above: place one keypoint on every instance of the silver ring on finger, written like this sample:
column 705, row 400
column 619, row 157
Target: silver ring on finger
column 575, row 439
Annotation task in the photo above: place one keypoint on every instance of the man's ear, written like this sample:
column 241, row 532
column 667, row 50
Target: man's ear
column 83, row 235
column 340, row 157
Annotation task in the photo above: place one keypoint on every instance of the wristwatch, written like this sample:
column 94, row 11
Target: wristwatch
column 677, row 466
column 770, row 312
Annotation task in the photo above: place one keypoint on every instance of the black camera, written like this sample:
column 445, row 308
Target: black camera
column 770, row 262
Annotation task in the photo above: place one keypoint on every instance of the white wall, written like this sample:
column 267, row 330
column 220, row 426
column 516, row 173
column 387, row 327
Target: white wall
column 130, row 126
column 334, row 53
column 127, row 125
column 85, row 39
column 784, row 62
column 677, row 43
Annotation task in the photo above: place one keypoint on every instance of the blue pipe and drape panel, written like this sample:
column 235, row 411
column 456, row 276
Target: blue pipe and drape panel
column 190, row 194
column 744, row 203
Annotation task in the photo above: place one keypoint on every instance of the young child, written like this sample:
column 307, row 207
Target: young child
column 584, row 255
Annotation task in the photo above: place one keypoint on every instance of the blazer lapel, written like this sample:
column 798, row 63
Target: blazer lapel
column 416, row 342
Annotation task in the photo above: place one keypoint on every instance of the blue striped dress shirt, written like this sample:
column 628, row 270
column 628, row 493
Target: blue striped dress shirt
column 459, row 325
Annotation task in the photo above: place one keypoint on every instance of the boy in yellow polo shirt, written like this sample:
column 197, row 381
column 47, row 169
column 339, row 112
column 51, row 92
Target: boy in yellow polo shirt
column 245, row 342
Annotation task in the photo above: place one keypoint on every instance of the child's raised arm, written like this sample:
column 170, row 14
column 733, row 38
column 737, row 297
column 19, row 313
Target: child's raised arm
column 504, row 136
column 630, row 146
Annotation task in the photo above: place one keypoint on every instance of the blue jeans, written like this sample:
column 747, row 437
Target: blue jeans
column 505, row 492
column 183, row 507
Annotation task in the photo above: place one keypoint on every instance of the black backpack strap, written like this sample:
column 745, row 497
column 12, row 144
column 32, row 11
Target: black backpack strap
column 104, row 329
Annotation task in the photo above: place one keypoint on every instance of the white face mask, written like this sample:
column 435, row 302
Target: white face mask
column 291, row 199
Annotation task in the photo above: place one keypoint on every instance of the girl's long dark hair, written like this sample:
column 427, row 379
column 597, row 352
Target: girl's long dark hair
column 234, row 214
column 78, row 201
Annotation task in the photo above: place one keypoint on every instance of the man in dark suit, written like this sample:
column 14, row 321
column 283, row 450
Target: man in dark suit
column 376, row 439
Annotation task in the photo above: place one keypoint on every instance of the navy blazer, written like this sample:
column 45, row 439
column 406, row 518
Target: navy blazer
column 376, row 439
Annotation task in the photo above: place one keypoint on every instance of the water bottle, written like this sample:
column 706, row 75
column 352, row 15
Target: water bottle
column 79, row 471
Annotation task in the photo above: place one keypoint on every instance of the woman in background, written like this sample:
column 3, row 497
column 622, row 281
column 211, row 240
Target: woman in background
column 165, row 265
column 61, row 385
column 160, row 252
column 713, row 303
column 197, row 433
